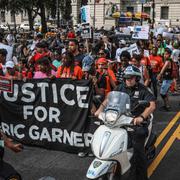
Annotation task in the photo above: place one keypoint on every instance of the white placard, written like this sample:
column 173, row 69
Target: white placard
column 132, row 49
column 141, row 32
column 168, row 35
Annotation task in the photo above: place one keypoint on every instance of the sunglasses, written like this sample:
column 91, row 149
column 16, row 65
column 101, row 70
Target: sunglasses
column 100, row 53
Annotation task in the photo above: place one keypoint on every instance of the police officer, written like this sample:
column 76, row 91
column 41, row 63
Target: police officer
column 7, row 172
column 136, row 91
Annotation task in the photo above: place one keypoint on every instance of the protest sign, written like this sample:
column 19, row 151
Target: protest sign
column 50, row 114
column 146, row 53
column 141, row 32
column 168, row 35
column 132, row 49
column 86, row 32
column 97, row 35
column 85, row 14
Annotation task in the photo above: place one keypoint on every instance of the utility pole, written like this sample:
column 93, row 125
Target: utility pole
column 58, row 13
column 94, row 19
column 153, row 13
column 142, row 9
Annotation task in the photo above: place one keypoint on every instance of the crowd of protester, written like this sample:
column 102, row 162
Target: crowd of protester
column 65, row 54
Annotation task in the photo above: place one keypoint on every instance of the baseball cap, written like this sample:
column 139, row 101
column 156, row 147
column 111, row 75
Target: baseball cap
column 87, row 63
column 102, row 61
column 9, row 64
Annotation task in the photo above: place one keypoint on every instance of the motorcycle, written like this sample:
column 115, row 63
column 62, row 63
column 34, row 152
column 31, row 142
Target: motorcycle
column 110, row 141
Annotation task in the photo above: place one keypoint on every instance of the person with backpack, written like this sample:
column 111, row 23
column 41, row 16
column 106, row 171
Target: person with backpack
column 166, row 75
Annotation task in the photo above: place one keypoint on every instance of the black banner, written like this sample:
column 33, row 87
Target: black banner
column 49, row 113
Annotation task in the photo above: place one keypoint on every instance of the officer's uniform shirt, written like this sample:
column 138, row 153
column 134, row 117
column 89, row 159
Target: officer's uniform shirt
column 136, row 93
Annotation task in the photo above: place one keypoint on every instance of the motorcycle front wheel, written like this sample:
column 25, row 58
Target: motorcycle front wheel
column 108, row 177
column 111, row 176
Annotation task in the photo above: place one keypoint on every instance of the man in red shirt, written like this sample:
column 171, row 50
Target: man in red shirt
column 39, row 53
column 156, row 62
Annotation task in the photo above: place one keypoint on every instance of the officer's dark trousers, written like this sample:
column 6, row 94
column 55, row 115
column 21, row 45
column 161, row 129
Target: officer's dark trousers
column 138, row 169
column 7, row 171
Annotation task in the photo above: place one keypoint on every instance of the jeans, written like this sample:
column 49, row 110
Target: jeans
column 154, row 83
column 165, row 86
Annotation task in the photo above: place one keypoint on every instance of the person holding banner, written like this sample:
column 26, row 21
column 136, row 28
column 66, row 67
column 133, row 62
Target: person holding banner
column 74, row 49
column 68, row 68
column 44, row 69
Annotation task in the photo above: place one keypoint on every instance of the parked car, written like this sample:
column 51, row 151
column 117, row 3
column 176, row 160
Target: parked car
column 4, row 27
column 24, row 27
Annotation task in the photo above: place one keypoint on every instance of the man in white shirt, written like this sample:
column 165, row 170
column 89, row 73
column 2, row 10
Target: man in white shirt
column 122, row 44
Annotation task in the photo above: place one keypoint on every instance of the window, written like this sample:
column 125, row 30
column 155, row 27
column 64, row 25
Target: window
column 164, row 12
column 3, row 18
column 12, row 17
column 147, row 10
column 130, row 9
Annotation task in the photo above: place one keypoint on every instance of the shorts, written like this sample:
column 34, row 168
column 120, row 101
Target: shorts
column 165, row 86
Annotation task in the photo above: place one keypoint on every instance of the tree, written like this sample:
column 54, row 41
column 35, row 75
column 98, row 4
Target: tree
column 37, row 7
column 14, row 6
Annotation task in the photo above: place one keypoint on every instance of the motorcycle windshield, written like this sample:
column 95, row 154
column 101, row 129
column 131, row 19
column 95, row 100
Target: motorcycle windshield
column 118, row 101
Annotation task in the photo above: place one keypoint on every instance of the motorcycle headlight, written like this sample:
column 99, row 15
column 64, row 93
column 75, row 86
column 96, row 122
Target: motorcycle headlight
column 111, row 117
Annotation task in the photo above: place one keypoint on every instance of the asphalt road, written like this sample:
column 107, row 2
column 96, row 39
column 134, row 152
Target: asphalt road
column 34, row 163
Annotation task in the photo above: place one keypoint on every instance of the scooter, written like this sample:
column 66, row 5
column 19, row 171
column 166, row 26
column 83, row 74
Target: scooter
column 110, row 141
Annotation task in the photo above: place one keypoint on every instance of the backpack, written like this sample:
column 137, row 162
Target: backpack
column 174, row 70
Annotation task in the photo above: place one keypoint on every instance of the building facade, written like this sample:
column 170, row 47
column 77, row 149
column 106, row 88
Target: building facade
column 165, row 11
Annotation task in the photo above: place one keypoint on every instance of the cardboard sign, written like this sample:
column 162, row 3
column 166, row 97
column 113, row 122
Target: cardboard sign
column 97, row 36
column 141, row 32
column 6, row 84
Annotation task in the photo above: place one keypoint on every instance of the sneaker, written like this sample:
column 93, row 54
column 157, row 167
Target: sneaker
column 82, row 154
